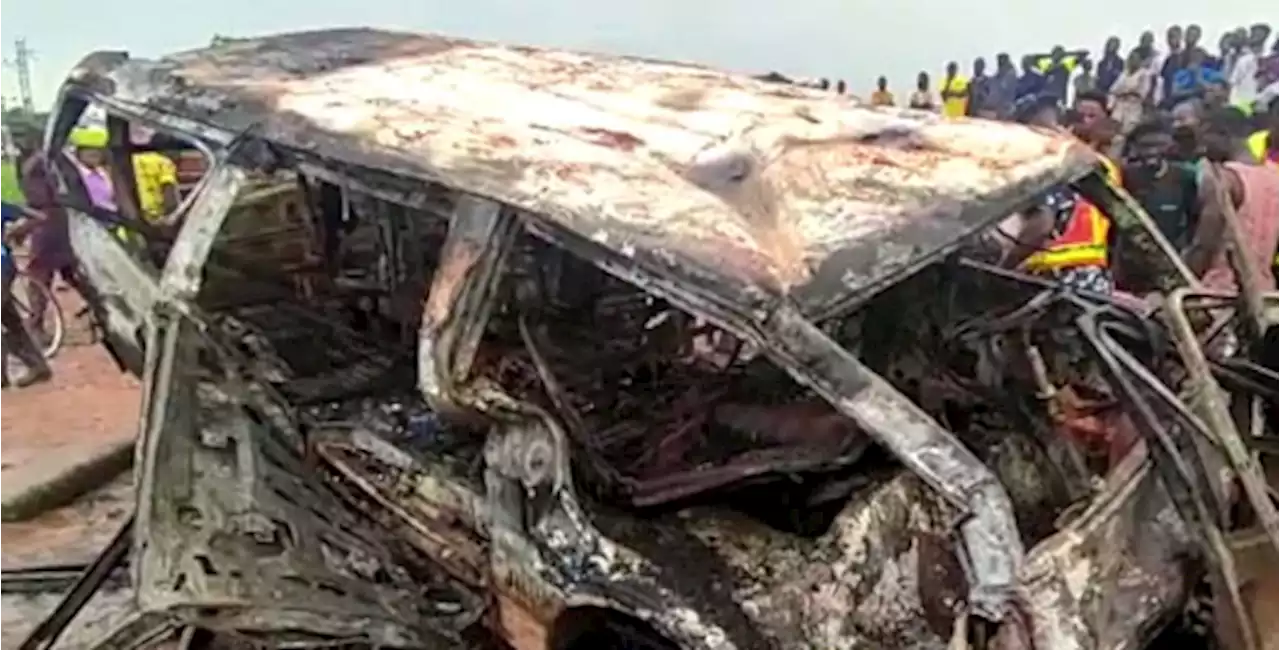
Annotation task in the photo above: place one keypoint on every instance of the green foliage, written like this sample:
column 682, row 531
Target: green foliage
column 9, row 190
column 21, row 122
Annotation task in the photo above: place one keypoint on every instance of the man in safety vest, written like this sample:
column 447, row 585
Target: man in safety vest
column 1068, row 234
column 1077, row 252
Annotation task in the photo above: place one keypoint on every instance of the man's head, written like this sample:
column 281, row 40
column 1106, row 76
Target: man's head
column 1228, row 43
column 1057, row 53
column 1240, row 37
column 26, row 139
column 1003, row 62
column 1147, row 40
column 1136, row 59
column 952, row 69
column 90, row 145
column 882, row 84
column 1216, row 91
column 1112, row 46
column 1258, row 35
column 1224, row 134
column 1086, row 65
column 841, row 86
column 1147, row 149
column 979, row 67
column 1186, row 117
column 1090, row 107
column 1028, row 63
column 1173, row 37
column 1100, row 134
column 922, row 81
column 1193, row 36
column 824, row 84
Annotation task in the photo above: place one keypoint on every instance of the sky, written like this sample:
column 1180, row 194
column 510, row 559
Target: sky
column 851, row 40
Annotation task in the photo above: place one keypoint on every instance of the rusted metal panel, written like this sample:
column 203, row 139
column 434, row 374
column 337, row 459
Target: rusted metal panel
column 1111, row 576
column 764, row 190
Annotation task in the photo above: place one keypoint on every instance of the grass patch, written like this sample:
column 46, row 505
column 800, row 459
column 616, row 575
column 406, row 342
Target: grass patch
column 9, row 188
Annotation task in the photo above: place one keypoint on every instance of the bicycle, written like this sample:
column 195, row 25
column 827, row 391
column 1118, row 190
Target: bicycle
column 51, row 332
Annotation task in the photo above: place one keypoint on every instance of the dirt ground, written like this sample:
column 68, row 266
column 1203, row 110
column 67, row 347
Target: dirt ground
column 89, row 404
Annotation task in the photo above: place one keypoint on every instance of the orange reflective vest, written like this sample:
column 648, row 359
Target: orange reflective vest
column 1084, row 240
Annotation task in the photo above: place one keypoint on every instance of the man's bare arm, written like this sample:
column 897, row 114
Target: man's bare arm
column 1210, row 234
column 1033, row 230
column 19, row 230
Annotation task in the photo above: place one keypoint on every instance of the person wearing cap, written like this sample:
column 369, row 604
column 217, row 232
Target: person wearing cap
column 90, row 147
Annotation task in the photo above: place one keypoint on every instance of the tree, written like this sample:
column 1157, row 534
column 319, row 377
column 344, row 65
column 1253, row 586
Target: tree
column 20, row 121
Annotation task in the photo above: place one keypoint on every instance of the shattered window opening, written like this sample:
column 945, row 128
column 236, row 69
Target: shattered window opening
column 664, row 407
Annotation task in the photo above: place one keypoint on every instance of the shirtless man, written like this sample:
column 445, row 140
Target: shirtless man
column 1253, row 191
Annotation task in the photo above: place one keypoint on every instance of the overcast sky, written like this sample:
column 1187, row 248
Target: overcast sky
column 855, row 41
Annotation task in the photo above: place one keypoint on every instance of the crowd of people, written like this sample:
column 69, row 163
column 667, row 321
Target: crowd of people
column 1188, row 133
column 1191, row 136
column 1242, row 73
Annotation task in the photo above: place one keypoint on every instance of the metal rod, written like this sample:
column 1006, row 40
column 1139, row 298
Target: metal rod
column 90, row 581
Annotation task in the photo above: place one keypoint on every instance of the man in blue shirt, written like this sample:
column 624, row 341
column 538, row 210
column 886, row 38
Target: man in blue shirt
column 1111, row 66
column 1031, row 83
column 17, row 340
column 1004, row 86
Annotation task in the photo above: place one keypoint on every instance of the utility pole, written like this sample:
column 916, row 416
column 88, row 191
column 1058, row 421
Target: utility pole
column 23, row 57
column 21, row 63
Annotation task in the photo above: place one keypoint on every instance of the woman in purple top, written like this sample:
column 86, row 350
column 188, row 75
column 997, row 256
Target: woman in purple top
column 91, row 159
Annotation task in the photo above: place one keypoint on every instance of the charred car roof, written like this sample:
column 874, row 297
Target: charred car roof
column 753, row 191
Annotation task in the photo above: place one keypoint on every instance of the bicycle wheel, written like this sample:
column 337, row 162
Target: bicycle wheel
column 49, row 331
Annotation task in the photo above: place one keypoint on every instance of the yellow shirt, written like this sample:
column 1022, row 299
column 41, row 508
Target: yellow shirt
column 153, row 171
column 957, row 104
column 882, row 98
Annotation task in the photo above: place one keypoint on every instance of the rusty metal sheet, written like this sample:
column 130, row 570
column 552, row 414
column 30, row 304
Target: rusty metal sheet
column 760, row 191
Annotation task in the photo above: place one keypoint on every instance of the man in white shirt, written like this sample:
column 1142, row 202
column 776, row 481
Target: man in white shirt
column 1243, row 74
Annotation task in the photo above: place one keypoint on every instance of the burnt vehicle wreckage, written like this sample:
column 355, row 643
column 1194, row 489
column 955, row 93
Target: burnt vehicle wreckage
column 574, row 350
